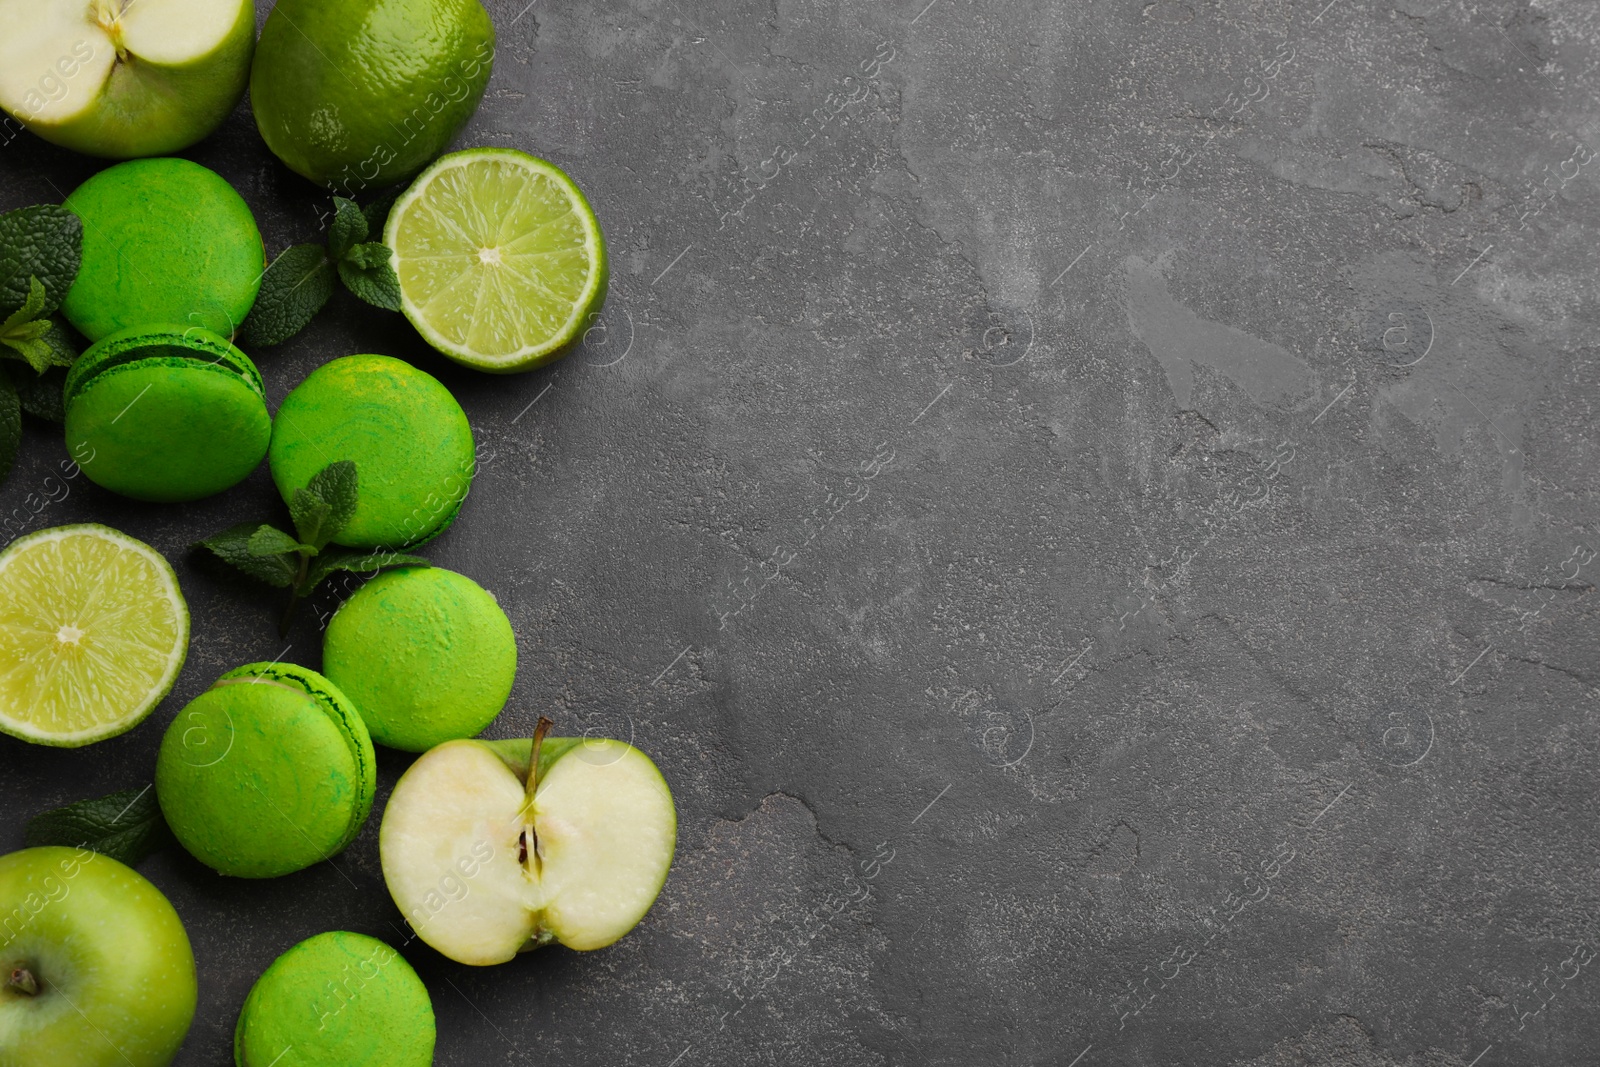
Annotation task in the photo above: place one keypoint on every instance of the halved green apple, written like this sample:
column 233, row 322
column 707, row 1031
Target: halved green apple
column 124, row 78
column 489, row 853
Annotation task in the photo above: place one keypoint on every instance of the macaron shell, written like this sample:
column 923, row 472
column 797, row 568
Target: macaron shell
column 256, row 780
column 166, row 340
column 167, row 429
column 164, row 240
column 341, row 711
column 338, row 1000
column 426, row 654
column 408, row 437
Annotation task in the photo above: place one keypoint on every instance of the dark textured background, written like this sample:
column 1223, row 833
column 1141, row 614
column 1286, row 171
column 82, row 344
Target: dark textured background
column 1155, row 523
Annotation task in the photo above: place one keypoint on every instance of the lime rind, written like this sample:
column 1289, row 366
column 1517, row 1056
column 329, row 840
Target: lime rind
column 502, row 263
column 104, row 676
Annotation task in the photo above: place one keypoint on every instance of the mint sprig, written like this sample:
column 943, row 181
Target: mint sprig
column 364, row 266
column 41, row 248
column 300, row 282
column 301, row 561
column 28, row 333
column 126, row 826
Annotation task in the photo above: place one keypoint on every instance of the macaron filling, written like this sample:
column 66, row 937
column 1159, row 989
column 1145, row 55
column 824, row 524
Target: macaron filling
column 170, row 345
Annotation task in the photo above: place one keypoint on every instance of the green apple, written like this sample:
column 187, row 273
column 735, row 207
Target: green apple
column 489, row 853
column 95, row 969
column 124, row 78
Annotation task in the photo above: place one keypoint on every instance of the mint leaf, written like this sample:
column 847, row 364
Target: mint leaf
column 40, row 394
column 377, row 213
column 32, row 307
column 310, row 514
column 40, row 341
column 63, row 353
column 349, row 227
column 294, row 288
column 369, row 256
column 367, row 272
column 10, row 425
column 26, row 337
column 271, row 541
column 329, row 501
column 36, row 352
column 354, row 560
column 319, row 510
column 32, row 330
column 44, row 242
column 232, row 546
column 126, row 826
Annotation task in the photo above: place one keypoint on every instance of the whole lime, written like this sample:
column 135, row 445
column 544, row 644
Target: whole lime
column 357, row 94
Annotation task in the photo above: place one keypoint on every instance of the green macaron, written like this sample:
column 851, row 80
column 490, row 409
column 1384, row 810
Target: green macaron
column 337, row 1000
column 406, row 434
column 164, row 240
column 426, row 654
column 166, row 413
column 267, row 772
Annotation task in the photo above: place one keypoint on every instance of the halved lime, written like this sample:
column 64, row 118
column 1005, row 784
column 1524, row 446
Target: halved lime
column 501, row 261
column 93, row 632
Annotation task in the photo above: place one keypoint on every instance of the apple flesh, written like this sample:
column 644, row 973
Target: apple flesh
column 486, row 859
column 95, row 968
column 124, row 78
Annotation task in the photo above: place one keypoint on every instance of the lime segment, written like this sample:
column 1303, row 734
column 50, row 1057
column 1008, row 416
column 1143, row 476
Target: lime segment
column 93, row 632
column 501, row 261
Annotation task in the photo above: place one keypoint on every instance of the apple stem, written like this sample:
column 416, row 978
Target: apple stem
column 533, row 754
column 23, row 981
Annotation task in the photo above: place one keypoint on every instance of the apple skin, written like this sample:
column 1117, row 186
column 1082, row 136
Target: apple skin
column 100, row 940
column 151, row 109
column 514, row 752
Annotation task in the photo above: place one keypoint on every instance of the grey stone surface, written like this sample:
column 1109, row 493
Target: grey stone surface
column 1117, row 479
